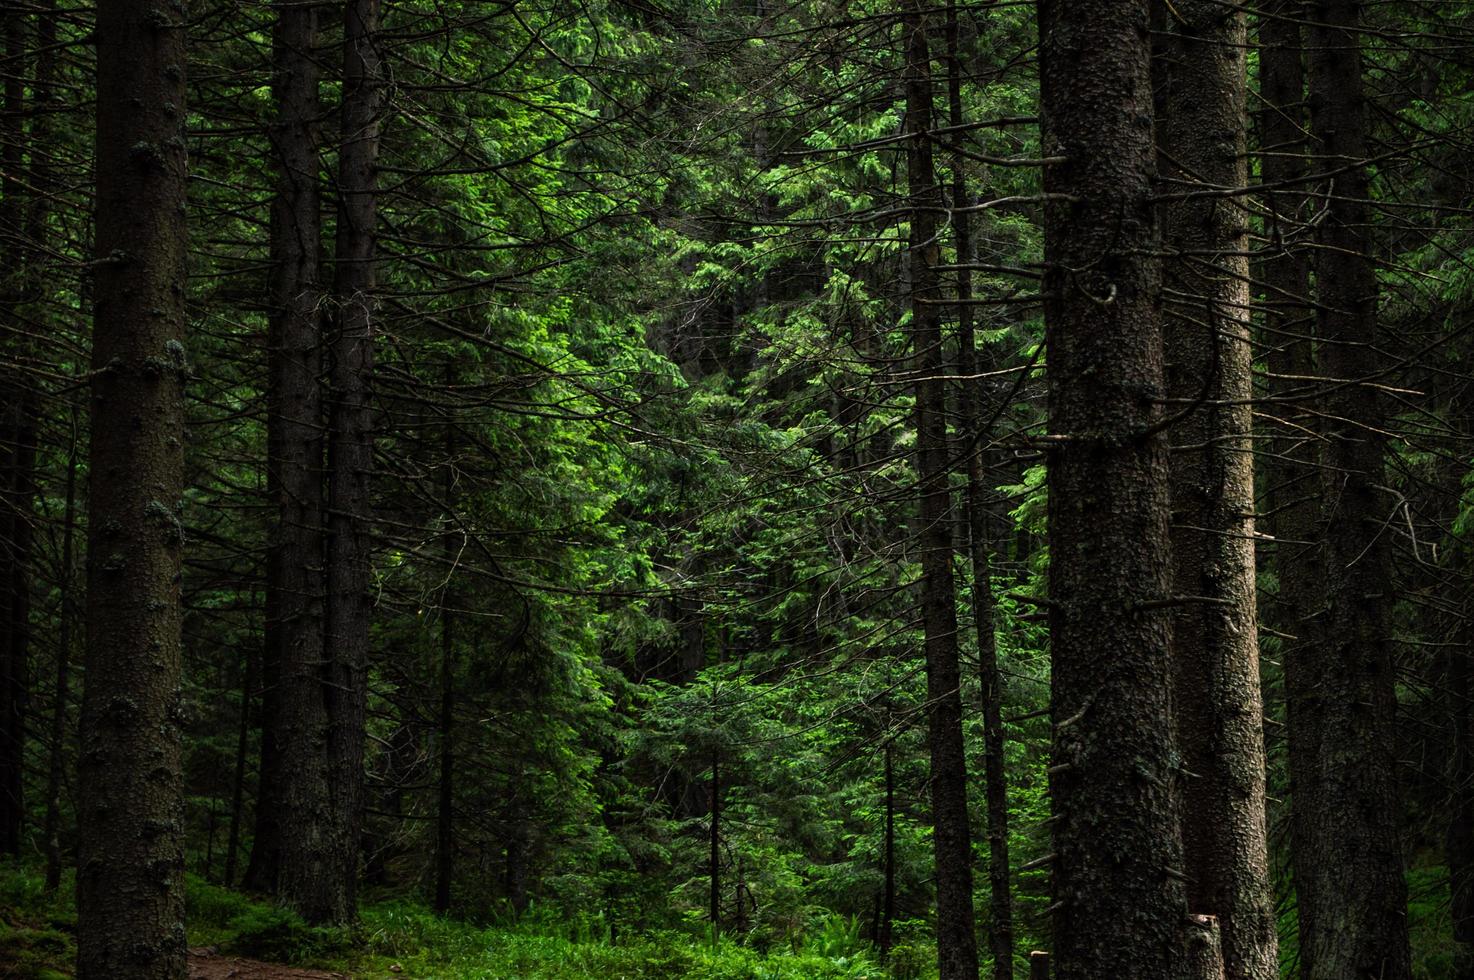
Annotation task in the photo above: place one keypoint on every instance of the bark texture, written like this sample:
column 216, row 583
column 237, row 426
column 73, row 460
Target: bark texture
column 1199, row 75
column 957, row 952
column 351, row 437
column 1119, row 897
column 130, row 878
column 298, row 855
column 1348, row 868
column 1202, row 948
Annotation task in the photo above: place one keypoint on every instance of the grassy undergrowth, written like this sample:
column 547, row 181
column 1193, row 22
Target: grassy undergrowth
column 402, row 940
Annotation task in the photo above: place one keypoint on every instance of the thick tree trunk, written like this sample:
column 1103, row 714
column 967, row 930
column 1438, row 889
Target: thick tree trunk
column 1200, row 81
column 296, row 787
column 351, row 437
column 995, row 776
column 957, row 953
column 130, row 879
column 1348, row 867
column 1119, row 897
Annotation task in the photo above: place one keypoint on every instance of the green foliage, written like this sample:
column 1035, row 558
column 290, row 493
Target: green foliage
column 36, row 943
column 234, row 923
column 35, row 927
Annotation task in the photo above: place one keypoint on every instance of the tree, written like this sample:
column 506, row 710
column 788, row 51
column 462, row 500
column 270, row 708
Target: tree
column 952, row 840
column 17, row 445
column 979, row 547
column 350, row 430
column 1200, row 81
column 1118, row 877
column 130, row 879
column 1348, row 858
column 294, row 838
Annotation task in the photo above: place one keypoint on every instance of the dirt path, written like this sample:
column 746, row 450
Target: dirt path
column 206, row 964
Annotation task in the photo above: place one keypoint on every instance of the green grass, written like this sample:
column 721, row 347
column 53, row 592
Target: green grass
column 36, row 944
column 35, row 929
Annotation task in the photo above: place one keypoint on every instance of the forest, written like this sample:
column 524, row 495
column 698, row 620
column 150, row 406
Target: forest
column 737, row 489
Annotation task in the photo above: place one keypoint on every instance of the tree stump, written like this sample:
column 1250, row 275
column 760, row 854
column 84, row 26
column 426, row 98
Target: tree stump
column 1202, row 948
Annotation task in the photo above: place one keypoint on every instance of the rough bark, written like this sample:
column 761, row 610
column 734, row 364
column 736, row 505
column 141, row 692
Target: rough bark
column 1348, row 868
column 990, row 678
column 351, row 437
column 1200, row 81
column 1119, row 897
column 296, row 787
column 1203, row 956
column 130, row 878
column 957, row 952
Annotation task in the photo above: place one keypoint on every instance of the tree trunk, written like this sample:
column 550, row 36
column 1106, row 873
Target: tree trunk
column 15, row 448
column 42, row 188
column 957, row 954
column 1200, row 81
column 238, row 779
column 57, row 756
column 995, row 776
column 445, row 805
column 130, row 879
column 1293, row 485
column 1203, row 956
column 351, row 439
column 1348, row 868
column 298, row 786
column 1460, row 840
column 888, row 901
column 1119, row 898
column 445, row 808
column 714, row 867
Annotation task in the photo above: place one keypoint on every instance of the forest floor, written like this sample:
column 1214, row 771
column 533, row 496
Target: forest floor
column 208, row 963
column 238, row 937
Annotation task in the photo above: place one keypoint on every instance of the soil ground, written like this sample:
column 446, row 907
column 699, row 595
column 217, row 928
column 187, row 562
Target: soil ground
column 207, row 964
